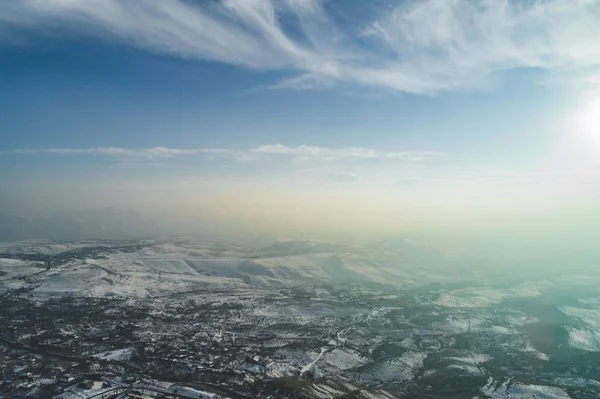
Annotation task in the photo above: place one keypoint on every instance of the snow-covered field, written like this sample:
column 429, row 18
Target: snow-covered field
column 152, row 267
column 117, row 354
column 324, row 319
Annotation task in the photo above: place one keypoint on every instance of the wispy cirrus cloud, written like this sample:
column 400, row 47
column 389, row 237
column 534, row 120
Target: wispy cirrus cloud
column 305, row 151
column 254, row 153
column 413, row 46
column 413, row 181
column 147, row 153
column 342, row 177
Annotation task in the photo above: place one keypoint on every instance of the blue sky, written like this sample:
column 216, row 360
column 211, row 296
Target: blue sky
column 403, row 99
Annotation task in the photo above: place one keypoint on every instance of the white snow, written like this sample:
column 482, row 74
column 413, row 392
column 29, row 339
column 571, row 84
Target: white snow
column 475, row 358
column 587, row 340
column 343, row 359
column 474, row 297
column 399, row 369
column 279, row 370
column 589, row 316
column 192, row 393
column 117, row 354
column 506, row 390
column 310, row 365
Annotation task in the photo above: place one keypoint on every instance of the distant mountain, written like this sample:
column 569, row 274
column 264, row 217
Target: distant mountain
column 299, row 247
column 15, row 228
column 106, row 223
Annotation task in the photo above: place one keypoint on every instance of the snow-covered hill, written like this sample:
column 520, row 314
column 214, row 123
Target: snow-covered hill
column 159, row 267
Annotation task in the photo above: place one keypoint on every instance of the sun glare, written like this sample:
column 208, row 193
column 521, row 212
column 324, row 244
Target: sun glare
column 586, row 122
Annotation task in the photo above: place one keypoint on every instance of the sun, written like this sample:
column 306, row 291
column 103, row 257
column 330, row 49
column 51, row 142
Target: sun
column 576, row 146
column 585, row 122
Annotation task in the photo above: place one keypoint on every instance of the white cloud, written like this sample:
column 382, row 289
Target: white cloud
column 146, row 153
column 343, row 177
column 417, row 46
column 413, row 181
column 491, row 178
column 248, row 154
column 304, row 151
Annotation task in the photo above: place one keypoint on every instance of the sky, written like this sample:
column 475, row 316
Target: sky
column 306, row 115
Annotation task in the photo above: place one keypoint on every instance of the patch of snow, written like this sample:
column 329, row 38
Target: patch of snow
column 343, row 359
column 508, row 390
column 117, row 354
column 587, row 340
column 577, row 382
column 589, row 316
column 191, row 392
column 310, row 365
column 401, row 369
column 279, row 370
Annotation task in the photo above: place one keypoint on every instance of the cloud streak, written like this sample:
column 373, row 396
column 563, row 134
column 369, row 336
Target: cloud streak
column 501, row 178
column 304, row 151
column 254, row 153
column 146, row 153
column 423, row 46
column 342, row 177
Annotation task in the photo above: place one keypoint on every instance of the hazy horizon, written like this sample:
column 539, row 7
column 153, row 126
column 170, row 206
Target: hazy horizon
column 315, row 119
